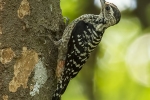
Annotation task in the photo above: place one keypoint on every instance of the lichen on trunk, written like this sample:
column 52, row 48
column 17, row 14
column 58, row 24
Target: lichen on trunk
column 28, row 60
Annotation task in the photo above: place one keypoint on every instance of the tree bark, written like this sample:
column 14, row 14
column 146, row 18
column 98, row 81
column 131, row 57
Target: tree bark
column 28, row 60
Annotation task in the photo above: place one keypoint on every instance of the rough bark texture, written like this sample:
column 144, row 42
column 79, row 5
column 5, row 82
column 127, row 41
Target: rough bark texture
column 27, row 59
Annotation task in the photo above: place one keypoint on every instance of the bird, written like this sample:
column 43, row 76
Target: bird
column 79, row 39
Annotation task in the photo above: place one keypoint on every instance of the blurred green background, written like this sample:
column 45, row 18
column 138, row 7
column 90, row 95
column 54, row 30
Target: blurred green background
column 119, row 68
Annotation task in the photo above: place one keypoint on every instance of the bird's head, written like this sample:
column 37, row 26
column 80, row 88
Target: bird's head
column 110, row 12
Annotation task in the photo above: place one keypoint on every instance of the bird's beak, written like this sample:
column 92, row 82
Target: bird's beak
column 102, row 4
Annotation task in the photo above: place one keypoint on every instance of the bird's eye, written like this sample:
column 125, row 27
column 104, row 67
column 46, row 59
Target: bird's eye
column 107, row 8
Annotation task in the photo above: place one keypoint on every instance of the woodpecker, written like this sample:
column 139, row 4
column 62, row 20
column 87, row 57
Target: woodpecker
column 79, row 39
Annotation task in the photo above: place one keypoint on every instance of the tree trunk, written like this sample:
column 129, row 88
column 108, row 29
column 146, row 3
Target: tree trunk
column 28, row 60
